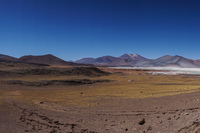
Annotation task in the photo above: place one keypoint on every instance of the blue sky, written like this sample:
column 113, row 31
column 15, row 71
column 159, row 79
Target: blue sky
column 73, row 29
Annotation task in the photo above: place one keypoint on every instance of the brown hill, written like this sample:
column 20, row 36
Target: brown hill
column 46, row 59
column 9, row 62
column 7, row 58
column 104, row 60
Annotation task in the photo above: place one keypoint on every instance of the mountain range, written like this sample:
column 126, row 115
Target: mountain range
column 48, row 59
column 135, row 60
column 125, row 60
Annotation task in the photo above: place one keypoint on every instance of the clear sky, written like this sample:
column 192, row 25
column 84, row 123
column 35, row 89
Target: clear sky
column 73, row 29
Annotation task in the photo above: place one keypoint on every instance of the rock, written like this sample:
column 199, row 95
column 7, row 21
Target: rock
column 186, row 113
column 149, row 128
column 142, row 122
column 131, row 80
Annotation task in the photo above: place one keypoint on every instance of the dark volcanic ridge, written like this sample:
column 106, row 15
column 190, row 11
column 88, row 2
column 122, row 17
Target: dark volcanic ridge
column 71, row 71
column 54, row 82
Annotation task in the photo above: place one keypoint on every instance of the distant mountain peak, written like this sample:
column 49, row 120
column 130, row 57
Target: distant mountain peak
column 167, row 56
column 133, row 54
column 49, row 55
column 100, row 60
column 132, row 57
column 178, row 56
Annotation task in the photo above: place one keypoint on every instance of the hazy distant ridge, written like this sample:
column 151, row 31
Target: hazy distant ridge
column 135, row 60
column 125, row 60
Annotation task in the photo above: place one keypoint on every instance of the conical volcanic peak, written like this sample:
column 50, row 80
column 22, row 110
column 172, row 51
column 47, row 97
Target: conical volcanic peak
column 132, row 57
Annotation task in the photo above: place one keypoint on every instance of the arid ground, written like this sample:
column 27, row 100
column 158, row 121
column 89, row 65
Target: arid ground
column 43, row 99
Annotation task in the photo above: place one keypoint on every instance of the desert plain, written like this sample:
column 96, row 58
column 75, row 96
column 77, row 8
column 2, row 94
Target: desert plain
column 44, row 99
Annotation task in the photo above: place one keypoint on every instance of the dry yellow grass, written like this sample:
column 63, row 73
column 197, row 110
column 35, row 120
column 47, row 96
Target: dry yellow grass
column 123, row 86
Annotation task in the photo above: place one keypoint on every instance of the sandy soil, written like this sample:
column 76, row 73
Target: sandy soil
column 175, row 114
column 114, row 113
